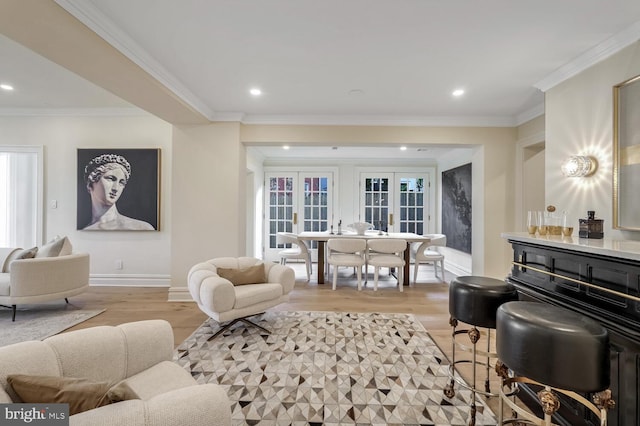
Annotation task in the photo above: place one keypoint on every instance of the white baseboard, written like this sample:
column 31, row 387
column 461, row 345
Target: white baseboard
column 179, row 294
column 457, row 270
column 132, row 280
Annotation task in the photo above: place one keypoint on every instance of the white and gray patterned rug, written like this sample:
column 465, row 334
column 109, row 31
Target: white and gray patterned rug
column 329, row 368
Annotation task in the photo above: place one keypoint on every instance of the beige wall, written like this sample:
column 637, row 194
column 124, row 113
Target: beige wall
column 579, row 120
column 208, row 200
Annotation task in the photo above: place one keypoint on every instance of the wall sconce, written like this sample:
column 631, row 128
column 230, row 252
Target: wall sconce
column 579, row 166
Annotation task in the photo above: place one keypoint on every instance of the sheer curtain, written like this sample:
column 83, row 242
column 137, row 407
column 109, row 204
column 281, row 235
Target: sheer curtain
column 20, row 196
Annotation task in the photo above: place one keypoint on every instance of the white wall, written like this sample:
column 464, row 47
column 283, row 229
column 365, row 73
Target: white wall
column 145, row 255
column 579, row 121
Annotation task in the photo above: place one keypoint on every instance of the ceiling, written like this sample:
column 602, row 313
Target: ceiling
column 352, row 62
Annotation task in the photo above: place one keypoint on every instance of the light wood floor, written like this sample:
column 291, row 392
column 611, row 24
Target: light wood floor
column 428, row 301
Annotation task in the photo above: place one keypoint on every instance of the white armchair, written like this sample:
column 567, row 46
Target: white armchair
column 223, row 301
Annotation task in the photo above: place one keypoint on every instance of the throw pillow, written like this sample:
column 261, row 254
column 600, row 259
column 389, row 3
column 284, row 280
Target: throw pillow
column 56, row 247
column 251, row 275
column 20, row 254
column 80, row 394
column 121, row 392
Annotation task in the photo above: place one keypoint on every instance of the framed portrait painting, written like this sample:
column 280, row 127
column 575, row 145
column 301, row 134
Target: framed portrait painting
column 118, row 189
column 456, row 207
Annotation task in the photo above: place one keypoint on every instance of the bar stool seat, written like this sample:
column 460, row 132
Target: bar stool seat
column 556, row 348
column 474, row 300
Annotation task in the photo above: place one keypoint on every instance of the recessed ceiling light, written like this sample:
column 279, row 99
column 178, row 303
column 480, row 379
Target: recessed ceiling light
column 285, row 146
column 255, row 91
column 458, row 92
column 403, row 148
column 6, row 87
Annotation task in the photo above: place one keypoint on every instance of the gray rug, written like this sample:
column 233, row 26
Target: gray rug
column 36, row 322
column 326, row 368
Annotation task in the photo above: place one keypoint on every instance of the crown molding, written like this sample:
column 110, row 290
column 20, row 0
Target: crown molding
column 530, row 114
column 380, row 120
column 228, row 116
column 90, row 16
column 73, row 112
column 592, row 56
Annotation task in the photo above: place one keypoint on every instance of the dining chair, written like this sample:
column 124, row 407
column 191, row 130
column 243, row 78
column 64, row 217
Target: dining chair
column 427, row 253
column 348, row 252
column 386, row 253
column 298, row 250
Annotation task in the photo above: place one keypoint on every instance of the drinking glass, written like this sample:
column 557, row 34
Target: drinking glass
column 567, row 230
column 532, row 222
column 542, row 224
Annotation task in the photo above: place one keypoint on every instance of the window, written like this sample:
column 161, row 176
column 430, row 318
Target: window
column 20, row 196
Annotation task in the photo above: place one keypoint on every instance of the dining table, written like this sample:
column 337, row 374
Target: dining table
column 323, row 236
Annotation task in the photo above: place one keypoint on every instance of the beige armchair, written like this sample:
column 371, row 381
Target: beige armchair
column 223, row 301
column 138, row 354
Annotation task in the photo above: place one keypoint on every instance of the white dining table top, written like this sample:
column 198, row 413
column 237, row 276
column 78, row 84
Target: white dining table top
column 326, row 235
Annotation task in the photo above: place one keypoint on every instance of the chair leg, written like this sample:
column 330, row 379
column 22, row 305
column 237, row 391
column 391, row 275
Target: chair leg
column 401, row 278
column 359, row 272
column 415, row 272
column 244, row 320
column 442, row 267
column 376, row 272
column 66, row 300
column 335, row 276
column 13, row 316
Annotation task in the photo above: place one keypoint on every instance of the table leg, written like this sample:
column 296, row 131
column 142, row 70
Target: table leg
column 321, row 262
column 407, row 261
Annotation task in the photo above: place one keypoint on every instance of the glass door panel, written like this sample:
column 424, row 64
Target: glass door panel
column 396, row 202
column 376, row 198
column 295, row 202
column 412, row 205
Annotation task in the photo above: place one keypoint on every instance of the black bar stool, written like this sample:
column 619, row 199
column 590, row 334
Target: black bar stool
column 474, row 300
column 557, row 349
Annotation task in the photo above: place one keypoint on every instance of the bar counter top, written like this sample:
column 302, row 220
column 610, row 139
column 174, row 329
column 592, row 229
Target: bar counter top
column 622, row 249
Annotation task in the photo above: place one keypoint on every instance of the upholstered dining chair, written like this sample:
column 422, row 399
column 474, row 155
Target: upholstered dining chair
column 427, row 253
column 298, row 250
column 389, row 253
column 348, row 252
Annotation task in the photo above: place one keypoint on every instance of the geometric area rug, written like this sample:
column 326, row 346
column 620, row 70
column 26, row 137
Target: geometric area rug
column 329, row 368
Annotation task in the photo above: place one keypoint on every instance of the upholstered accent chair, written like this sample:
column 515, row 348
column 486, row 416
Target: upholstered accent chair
column 251, row 287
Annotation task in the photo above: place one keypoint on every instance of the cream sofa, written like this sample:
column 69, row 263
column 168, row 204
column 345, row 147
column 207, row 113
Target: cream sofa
column 224, row 301
column 41, row 279
column 140, row 352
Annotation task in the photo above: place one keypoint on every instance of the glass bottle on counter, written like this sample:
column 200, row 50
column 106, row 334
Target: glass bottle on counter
column 591, row 227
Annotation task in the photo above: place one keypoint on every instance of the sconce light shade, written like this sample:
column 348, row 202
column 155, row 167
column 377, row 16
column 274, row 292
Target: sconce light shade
column 579, row 166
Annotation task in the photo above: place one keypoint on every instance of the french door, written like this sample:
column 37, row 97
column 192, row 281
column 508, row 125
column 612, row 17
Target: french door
column 296, row 202
column 396, row 202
